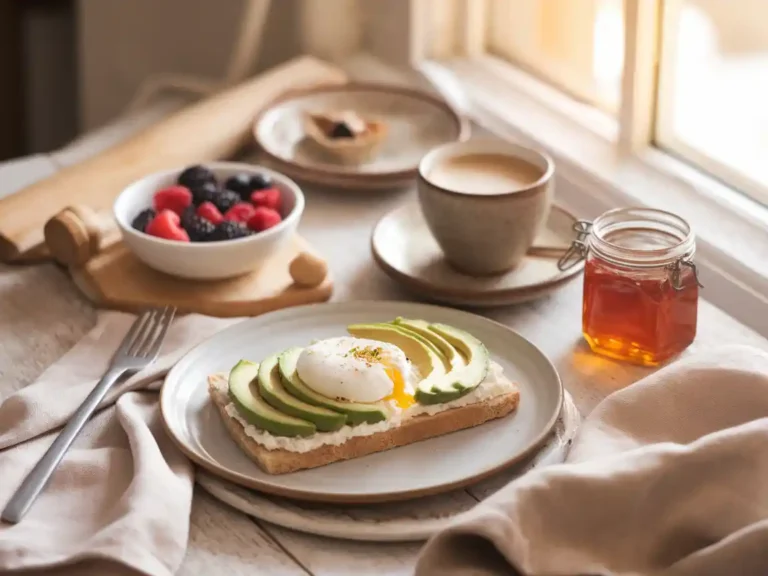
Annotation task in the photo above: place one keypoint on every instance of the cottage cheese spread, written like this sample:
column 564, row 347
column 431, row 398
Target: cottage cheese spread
column 495, row 384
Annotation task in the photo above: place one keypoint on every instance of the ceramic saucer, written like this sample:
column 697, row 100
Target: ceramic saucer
column 405, row 249
column 415, row 123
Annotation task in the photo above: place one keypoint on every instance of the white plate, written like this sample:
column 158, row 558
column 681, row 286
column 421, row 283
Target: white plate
column 417, row 122
column 413, row 520
column 405, row 249
column 428, row 467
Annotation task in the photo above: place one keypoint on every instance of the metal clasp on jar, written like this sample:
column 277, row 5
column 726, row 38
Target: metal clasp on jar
column 676, row 272
column 578, row 249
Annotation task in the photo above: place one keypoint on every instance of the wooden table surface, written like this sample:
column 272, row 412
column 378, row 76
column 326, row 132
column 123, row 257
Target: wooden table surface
column 43, row 315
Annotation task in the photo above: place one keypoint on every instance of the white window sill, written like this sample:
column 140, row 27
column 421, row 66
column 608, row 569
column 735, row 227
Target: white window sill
column 732, row 230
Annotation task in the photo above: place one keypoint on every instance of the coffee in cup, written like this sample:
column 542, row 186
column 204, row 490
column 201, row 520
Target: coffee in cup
column 485, row 201
column 484, row 173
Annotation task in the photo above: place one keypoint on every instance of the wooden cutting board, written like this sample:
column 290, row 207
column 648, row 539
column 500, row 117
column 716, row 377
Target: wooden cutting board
column 109, row 275
column 213, row 129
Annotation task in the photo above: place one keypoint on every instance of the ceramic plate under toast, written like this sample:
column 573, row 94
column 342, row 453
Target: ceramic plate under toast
column 405, row 249
column 413, row 520
column 415, row 123
column 428, row 467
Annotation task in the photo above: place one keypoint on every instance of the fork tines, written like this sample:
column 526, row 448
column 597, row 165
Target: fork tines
column 147, row 333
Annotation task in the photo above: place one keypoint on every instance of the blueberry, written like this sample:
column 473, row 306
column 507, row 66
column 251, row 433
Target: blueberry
column 225, row 199
column 341, row 130
column 260, row 181
column 204, row 192
column 229, row 230
column 143, row 219
column 195, row 175
column 240, row 183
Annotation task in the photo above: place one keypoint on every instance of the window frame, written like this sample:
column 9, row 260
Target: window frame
column 553, row 73
column 664, row 136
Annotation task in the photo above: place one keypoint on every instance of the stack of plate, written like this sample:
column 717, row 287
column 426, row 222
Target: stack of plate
column 439, row 477
column 416, row 123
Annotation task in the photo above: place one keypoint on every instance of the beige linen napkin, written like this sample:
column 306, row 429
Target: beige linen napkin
column 120, row 501
column 667, row 477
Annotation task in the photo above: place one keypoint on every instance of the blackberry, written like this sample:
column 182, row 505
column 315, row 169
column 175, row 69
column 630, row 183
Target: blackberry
column 195, row 175
column 240, row 183
column 341, row 130
column 144, row 218
column 187, row 215
column 204, row 192
column 225, row 199
column 229, row 230
column 198, row 228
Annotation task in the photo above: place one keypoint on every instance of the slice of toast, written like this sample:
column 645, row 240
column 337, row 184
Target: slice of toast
column 411, row 430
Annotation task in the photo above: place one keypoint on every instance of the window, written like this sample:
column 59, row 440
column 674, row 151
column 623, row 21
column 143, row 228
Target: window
column 713, row 91
column 689, row 77
column 575, row 44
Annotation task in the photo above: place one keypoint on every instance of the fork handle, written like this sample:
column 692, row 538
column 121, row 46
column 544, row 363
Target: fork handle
column 38, row 477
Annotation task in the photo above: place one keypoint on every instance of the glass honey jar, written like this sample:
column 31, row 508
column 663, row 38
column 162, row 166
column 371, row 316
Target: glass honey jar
column 641, row 287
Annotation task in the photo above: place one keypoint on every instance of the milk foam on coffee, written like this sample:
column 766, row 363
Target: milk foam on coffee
column 484, row 173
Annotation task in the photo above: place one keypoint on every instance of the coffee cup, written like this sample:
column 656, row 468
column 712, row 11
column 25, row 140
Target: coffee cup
column 485, row 201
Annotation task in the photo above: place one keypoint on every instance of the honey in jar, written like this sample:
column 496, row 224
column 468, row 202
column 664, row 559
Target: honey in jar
column 640, row 285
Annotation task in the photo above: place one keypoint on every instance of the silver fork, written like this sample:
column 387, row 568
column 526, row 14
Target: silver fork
column 138, row 350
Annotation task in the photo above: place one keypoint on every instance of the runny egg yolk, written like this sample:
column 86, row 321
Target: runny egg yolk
column 399, row 394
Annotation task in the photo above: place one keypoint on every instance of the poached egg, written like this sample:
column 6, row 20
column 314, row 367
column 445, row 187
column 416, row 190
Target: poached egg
column 357, row 370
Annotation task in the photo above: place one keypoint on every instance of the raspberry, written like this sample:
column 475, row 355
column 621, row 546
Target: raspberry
column 174, row 198
column 225, row 199
column 264, row 218
column 269, row 198
column 193, row 176
column 143, row 219
column 208, row 211
column 240, row 212
column 204, row 192
column 166, row 225
column 229, row 230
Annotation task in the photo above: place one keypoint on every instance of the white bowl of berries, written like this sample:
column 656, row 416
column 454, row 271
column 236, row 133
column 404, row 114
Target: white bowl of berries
column 209, row 222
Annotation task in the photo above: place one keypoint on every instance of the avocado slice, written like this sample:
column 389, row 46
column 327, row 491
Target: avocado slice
column 426, row 360
column 461, row 380
column 272, row 391
column 243, row 391
column 421, row 327
column 356, row 412
column 429, row 363
column 424, row 341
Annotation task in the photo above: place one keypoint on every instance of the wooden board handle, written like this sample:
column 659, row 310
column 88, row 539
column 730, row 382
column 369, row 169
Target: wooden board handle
column 212, row 129
column 78, row 233
column 308, row 270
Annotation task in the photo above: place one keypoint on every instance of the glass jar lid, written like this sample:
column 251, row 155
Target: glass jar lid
column 635, row 237
column 641, row 237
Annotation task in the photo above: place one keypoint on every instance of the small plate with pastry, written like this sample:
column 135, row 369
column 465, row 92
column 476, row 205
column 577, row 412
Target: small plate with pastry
column 345, row 135
column 355, row 136
column 361, row 402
